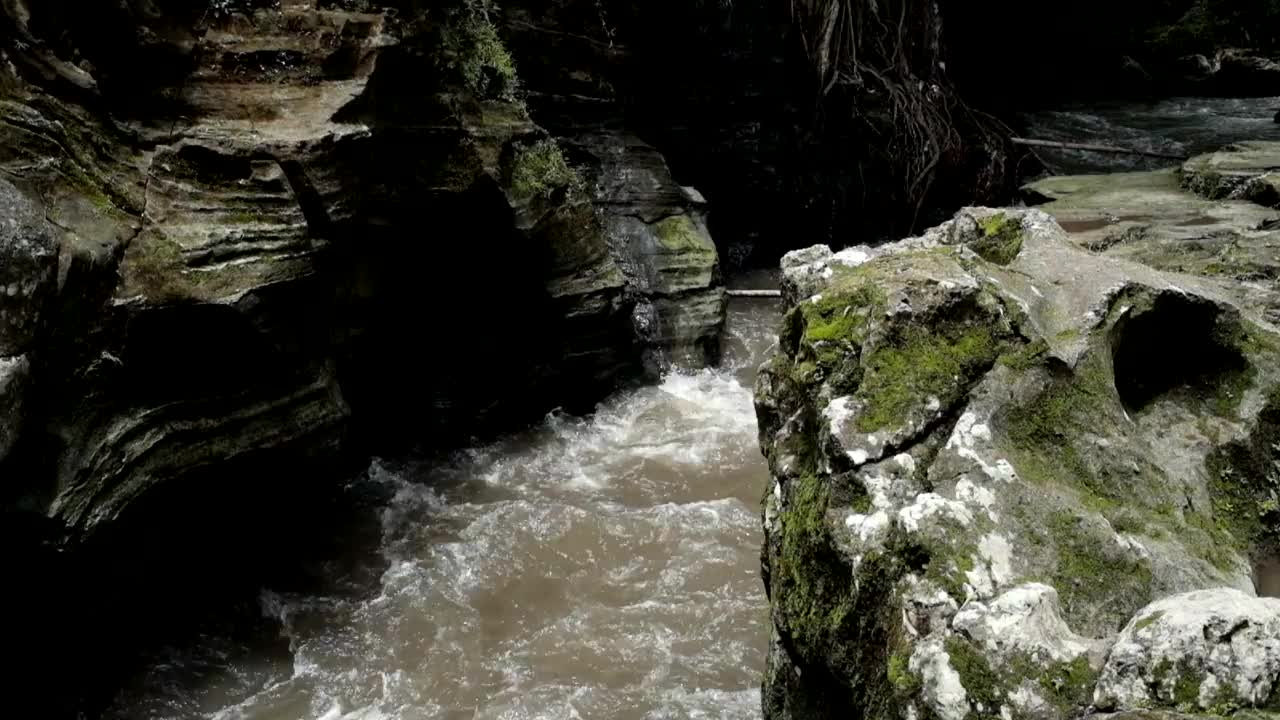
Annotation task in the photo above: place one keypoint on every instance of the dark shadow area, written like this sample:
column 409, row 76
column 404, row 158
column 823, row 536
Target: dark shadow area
column 1175, row 345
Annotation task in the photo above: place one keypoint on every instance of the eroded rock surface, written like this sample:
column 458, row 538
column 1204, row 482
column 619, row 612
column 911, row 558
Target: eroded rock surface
column 991, row 450
column 261, row 233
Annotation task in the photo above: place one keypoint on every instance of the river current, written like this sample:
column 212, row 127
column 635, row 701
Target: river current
column 1174, row 126
column 597, row 567
column 590, row 567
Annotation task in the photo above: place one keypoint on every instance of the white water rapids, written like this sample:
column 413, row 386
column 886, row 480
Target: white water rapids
column 601, row 567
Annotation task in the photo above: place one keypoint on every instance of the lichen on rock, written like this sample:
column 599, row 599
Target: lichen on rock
column 987, row 432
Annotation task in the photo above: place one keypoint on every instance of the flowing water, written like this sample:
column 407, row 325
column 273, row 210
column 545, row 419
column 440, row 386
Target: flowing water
column 1177, row 126
column 600, row 567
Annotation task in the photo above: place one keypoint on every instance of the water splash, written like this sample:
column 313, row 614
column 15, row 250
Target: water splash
column 589, row 567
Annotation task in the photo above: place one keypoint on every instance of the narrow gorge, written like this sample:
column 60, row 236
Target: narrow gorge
column 389, row 359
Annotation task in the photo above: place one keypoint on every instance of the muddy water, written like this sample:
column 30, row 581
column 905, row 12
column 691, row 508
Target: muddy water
column 605, row 567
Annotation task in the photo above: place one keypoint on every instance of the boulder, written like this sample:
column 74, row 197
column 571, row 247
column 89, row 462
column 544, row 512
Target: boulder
column 1207, row 650
column 991, row 450
column 1243, row 73
column 1247, row 171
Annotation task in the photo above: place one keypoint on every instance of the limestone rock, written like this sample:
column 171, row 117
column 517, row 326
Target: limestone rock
column 1207, row 650
column 991, row 448
column 1247, row 170
column 1150, row 218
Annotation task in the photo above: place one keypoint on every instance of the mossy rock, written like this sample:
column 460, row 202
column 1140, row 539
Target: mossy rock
column 1001, row 239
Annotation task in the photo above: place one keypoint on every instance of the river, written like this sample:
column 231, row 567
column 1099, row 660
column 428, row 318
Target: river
column 590, row 567
column 1177, row 126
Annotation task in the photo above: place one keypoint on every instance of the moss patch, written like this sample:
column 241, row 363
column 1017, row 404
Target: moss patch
column 1026, row 356
column 1067, row 686
column 476, row 53
column 922, row 363
column 844, row 630
column 679, row 234
column 1244, row 482
column 986, row 690
column 539, row 169
column 833, row 328
column 1149, row 620
column 1098, row 582
column 1043, row 431
column 153, row 265
column 1001, row 239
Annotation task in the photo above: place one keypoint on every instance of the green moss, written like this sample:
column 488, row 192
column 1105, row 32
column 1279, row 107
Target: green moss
column 819, row 597
column 919, row 364
column 153, row 265
column 539, row 169
column 1026, row 356
column 1001, row 240
column 1149, row 620
column 678, row 233
column 905, row 682
column 985, row 689
column 834, row 327
column 1043, row 431
column 1244, row 482
column 1069, row 684
column 1095, row 577
column 477, row 53
column 1186, row 690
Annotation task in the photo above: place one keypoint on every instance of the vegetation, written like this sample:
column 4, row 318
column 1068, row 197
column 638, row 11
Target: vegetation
column 474, row 52
column 539, row 169
column 1001, row 239
column 882, row 63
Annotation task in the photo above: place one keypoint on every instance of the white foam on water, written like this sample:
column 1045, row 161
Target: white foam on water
column 591, row 567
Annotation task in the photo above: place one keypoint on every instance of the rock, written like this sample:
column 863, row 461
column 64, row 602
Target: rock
column 28, row 270
column 1150, row 218
column 1207, row 650
column 261, row 213
column 1241, row 73
column 991, row 449
column 15, row 373
column 1247, row 171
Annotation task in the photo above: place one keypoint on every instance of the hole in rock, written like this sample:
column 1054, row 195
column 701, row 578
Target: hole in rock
column 1179, row 344
column 1266, row 575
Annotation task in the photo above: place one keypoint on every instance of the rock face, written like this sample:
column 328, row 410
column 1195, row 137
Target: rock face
column 1215, row 650
column 1013, row 476
column 1245, row 171
column 245, row 239
column 28, row 271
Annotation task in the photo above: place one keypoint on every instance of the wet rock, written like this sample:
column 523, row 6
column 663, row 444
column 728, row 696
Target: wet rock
column 991, row 449
column 1207, row 650
column 28, row 269
column 1242, row 73
column 1247, row 171
column 243, row 246
column 15, row 373
column 1151, row 218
